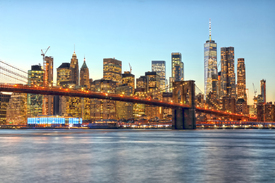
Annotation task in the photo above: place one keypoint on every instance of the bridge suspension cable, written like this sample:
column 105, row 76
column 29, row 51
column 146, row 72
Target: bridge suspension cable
column 13, row 67
column 13, row 77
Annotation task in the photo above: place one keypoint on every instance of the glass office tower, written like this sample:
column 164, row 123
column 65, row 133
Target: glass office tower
column 210, row 65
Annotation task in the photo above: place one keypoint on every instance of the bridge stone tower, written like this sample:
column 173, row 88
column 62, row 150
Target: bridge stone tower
column 184, row 118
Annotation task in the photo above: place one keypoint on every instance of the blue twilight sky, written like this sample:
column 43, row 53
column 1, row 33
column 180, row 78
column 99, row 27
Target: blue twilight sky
column 139, row 31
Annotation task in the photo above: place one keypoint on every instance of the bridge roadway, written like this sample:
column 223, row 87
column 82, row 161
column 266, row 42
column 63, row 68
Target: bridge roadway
column 20, row 88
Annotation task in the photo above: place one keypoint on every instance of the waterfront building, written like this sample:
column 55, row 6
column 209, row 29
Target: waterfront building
column 84, row 75
column 4, row 102
column 74, row 74
column 228, row 85
column 17, row 109
column 266, row 112
column 160, row 68
column 112, row 70
column 263, row 90
column 210, row 65
column 124, row 110
column 103, row 109
column 54, row 121
column 35, row 101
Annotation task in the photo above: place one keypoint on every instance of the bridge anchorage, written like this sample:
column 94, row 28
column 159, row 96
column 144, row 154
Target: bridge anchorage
column 184, row 117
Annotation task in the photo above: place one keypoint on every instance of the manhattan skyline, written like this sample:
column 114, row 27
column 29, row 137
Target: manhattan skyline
column 138, row 32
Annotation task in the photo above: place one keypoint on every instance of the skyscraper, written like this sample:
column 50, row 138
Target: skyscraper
column 228, row 85
column 84, row 75
column 160, row 69
column 241, row 82
column 85, row 82
column 210, row 65
column 48, row 81
column 74, row 70
column 63, row 75
column 263, row 90
column 35, row 101
column 241, row 103
column 177, row 67
column 112, row 70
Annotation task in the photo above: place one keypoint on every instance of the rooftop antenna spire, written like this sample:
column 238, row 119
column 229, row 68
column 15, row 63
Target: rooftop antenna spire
column 210, row 29
column 74, row 48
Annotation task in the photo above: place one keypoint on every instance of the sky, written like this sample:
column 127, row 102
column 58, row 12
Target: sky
column 139, row 31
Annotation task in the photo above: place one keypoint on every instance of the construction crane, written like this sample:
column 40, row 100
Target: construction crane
column 44, row 66
column 130, row 68
column 45, row 82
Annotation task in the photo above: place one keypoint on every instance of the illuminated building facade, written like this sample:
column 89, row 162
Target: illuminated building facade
column 210, row 65
column 4, row 102
column 263, row 90
column 241, row 81
column 266, row 112
column 128, row 79
column 229, row 104
column 241, row 103
column 167, row 112
column 160, row 69
column 85, row 83
column 68, row 106
column 84, row 76
column 124, row 110
column 17, row 109
column 35, row 101
column 63, row 75
column 153, row 92
column 177, row 67
column 139, row 109
column 142, row 82
column 48, row 81
column 103, row 109
column 228, row 85
column 140, row 92
column 74, row 70
column 54, row 121
column 112, row 70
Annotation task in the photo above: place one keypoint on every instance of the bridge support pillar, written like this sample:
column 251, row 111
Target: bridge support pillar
column 184, row 118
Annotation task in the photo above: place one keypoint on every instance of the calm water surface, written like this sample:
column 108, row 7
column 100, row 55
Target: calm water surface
column 137, row 156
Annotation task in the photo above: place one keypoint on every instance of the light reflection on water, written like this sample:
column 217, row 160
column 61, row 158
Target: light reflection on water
column 137, row 156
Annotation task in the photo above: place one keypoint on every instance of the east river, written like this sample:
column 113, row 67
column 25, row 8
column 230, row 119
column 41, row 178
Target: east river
column 132, row 156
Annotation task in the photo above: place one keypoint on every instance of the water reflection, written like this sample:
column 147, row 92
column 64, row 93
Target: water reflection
column 137, row 156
